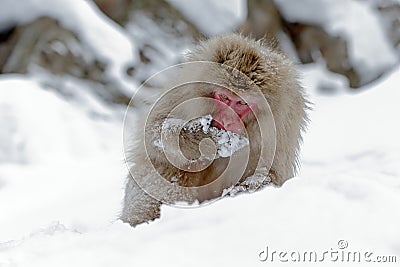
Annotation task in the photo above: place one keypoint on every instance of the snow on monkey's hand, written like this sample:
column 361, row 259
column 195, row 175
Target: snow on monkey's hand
column 226, row 142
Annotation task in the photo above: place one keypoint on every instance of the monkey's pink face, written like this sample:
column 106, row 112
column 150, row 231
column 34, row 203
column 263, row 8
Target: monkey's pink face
column 231, row 110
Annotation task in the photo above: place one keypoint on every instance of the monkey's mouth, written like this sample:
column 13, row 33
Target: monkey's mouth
column 233, row 128
column 218, row 125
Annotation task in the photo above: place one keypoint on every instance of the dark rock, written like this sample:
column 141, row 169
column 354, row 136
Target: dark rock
column 57, row 52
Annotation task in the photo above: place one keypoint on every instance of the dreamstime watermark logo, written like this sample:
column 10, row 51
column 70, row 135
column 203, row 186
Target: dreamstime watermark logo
column 341, row 253
column 187, row 148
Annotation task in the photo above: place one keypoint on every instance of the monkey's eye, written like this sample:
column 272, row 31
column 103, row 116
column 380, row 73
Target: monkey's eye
column 242, row 103
column 224, row 97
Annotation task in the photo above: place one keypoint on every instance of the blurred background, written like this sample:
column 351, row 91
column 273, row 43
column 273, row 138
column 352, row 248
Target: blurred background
column 68, row 69
column 116, row 44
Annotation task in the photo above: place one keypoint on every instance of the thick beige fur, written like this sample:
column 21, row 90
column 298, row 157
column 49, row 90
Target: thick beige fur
column 267, row 70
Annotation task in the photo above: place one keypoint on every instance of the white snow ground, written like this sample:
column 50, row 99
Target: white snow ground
column 60, row 195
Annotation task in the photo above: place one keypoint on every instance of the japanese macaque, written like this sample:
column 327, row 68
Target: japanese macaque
column 228, row 121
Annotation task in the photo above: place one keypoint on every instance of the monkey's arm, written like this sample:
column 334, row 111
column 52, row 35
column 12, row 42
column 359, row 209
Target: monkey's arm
column 139, row 207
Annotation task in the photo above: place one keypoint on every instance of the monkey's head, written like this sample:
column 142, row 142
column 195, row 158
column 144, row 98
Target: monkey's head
column 247, row 67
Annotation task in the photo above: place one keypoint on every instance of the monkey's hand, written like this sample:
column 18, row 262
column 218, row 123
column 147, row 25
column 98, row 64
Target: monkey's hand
column 261, row 178
column 180, row 140
column 178, row 136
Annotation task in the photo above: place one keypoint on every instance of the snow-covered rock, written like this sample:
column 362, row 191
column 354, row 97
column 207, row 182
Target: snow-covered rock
column 213, row 17
column 369, row 48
